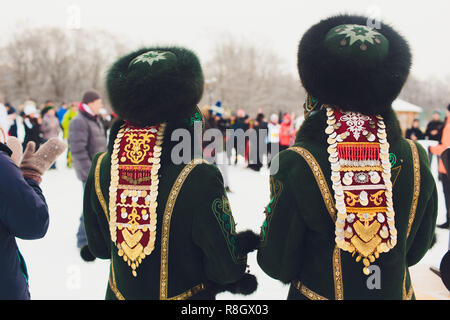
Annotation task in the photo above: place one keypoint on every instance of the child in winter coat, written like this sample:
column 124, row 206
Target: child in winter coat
column 23, row 210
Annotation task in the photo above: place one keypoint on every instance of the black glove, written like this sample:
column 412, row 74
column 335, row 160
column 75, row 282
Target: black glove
column 247, row 241
column 445, row 270
column 245, row 286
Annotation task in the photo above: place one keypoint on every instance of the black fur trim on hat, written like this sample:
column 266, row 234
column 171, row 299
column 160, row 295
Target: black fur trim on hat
column 342, row 81
column 147, row 98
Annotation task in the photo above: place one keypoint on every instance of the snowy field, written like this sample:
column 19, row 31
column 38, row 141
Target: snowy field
column 57, row 271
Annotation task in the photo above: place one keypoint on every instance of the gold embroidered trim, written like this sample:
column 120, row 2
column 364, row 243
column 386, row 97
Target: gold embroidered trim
column 311, row 295
column 365, row 168
column 329, row 203
column 337, row 274
column 416, row 191
column 112, row 283
column 101, row 199
column 320, row 179
column 189, row 293
column 98, row 189
column 366, row 209
column 399, row 168
column 407, row 296
column 412, row 213
column 164, row 272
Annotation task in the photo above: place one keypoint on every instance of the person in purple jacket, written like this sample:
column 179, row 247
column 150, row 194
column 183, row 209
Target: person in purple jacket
column 23, row 209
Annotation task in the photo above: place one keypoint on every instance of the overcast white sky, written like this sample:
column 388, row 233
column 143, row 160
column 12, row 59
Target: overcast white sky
column 276, row 24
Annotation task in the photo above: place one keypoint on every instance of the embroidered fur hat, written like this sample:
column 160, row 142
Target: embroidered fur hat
column 154, row 85
column 344, row 62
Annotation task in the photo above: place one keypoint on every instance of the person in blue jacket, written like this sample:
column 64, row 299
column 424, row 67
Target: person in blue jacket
column 23, row 209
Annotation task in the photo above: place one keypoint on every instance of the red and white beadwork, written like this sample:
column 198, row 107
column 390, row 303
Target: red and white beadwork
column 361, row 176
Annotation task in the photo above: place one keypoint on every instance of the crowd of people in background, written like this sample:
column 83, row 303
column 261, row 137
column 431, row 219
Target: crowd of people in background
column 437, row 129
column 40, row 123
column 278, row 133
column 433, row 129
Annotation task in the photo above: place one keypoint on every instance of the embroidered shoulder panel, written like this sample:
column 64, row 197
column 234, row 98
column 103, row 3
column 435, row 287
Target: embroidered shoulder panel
column 135, row 162
column 222, row 212
column 361, row 175
column 276, row 188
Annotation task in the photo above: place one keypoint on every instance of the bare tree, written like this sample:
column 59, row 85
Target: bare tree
column 56, row 64
column 430, row 94
column 19, row 68
column 250, row 77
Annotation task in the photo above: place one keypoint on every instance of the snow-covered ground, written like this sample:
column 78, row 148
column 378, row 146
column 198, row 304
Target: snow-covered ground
column 57, row 271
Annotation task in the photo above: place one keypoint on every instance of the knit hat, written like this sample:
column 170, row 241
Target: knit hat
column 29, row 108
column 155, row 85
column 343, row 62
column 274, row 117
column 437, row 111
column 90, row 96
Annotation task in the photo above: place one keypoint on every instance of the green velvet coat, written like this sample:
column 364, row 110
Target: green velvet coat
column 298, row 240
column 198, row 233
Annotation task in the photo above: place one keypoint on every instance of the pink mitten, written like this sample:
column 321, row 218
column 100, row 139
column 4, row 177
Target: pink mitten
column 34, row 164
column 16, row 147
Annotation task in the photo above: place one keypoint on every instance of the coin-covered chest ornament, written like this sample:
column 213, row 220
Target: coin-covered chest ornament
column 361, row 176
column 135, row 162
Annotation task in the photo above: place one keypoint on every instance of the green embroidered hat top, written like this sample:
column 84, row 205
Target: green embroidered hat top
column 155, row 62
column 359, row 42
column 155, row 85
